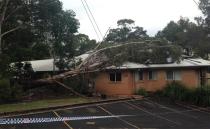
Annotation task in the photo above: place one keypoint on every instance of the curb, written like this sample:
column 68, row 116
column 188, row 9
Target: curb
column 48, row 109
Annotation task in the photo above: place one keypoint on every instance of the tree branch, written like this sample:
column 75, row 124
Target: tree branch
column 7, row 32
column 4, row 10
column 1, row 6
column 15, row 10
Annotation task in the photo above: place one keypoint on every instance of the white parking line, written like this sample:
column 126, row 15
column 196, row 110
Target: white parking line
column 132, row 125
column 155, row 115
column 65, row 123
column 171, row 109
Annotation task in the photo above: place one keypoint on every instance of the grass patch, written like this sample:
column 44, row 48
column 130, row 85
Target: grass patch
column 41, row 104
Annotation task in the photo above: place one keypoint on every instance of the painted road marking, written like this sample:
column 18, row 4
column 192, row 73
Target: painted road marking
column 155, row 115
column 171, row 109
column 61, row 109
column 65, row 123
column 90, row 123
column 11, row 121
column 194, row 108
column 119, row 118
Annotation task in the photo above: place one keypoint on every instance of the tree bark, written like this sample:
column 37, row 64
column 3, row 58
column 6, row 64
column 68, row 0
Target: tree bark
column 0, row 40
column 2, row 16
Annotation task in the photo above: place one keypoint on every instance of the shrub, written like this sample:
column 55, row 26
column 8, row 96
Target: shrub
column 176, row 90
column 142, row 91
column 5, row 90
column 201, row 96
column 78, row 83
column 9, row 93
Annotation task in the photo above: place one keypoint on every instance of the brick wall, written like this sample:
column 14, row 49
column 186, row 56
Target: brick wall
column 128, row 85
column 124, row 87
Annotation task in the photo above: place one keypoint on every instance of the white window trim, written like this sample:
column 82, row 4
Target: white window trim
column 115, row 77
column 173, row 78
column 156, row 76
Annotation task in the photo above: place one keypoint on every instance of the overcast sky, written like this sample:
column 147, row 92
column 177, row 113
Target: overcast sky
column 153, row 15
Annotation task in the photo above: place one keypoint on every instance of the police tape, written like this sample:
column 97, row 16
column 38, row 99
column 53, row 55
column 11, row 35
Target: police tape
column 11, row 121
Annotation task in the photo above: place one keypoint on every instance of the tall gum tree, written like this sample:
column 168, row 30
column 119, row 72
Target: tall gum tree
column 7, row 9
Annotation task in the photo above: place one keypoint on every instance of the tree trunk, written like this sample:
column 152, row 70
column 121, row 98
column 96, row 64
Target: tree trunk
column 0, row 40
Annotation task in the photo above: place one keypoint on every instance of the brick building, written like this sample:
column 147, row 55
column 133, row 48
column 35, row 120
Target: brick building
column 128, row 78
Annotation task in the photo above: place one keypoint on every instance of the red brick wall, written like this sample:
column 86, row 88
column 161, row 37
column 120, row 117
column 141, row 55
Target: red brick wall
column 104, row 85
column 128, row 85
column 190, row 78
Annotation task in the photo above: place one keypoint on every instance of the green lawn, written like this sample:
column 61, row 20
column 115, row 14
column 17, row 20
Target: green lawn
column 41, row 104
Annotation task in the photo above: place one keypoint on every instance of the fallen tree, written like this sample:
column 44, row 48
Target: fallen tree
column 148, row 52
column 152, row 52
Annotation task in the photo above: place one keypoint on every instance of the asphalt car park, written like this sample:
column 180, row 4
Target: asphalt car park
column 128, row 114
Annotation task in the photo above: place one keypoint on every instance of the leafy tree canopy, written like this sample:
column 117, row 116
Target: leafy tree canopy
column 36, row 29
column 189, row 35
column 126, row 31
column 84, row 44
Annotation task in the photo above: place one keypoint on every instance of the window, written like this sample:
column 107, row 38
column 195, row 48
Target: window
column 173, row 75
column 115, row 76
column 169, row 75
column 152, row 75
column 141, row 75
column 112, row 77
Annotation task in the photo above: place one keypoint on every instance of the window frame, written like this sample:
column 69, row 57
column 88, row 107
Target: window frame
column 169, row 79
column 154, row 75
column 174, row 75
column 140, row 75
column 117, row 76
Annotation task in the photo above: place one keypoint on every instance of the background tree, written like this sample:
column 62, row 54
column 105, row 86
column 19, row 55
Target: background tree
column 126, row 31
column 36, row 29
column 13, row 17
column 84, row 44
column 7, row 9
column 63, row 34
column 189, row 35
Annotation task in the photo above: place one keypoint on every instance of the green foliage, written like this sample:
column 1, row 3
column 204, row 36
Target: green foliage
column 21, row 70
column 5, row 90
column 84, row 44
column 9, row 93
column 190, row 36
column 177, row 91
column 154, row 52
column 64, row 29
column 4, row 64
column 204, row 6
column 45, row 29
column 40, row 51
column 78, row 83
column 142, row 91
column 201, row 96
column 126, row 32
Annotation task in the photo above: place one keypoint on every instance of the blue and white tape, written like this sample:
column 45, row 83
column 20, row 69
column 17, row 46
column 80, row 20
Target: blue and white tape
column 11, row 121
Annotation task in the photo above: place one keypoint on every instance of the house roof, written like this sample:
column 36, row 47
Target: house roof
column 192, row 62
column 47, row 64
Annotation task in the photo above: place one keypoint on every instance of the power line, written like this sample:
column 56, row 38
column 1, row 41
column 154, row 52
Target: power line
column 196, row 3
column 91, row 20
